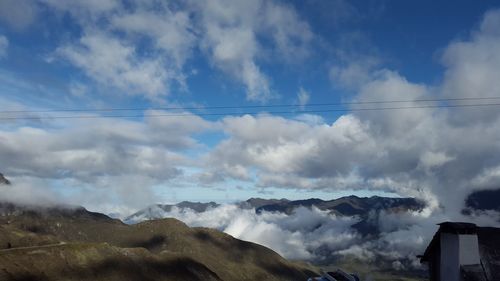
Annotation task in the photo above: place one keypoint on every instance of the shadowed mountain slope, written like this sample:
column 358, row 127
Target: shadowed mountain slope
column 259, row 202
column 164, row 249
column 484, row 200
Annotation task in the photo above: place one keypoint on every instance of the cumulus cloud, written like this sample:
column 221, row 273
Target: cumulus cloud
column 429, row 159
column 231, row 38
column 354, row 72
column 18, row 14
column 324, row 238
column 82, row 10
column 110, row 147
column 303, row 235
column 112, row 61
column 421, row 152
column 424, row 152
column 291, row 147
column 171, row 31
column 122, row 158
column 27, row 192
column 234, row 36
column 472, row 69
column 407, row 151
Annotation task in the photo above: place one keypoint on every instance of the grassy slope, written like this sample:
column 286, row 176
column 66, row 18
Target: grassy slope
column 90, row 261
column 373, row 272
column 155, row 244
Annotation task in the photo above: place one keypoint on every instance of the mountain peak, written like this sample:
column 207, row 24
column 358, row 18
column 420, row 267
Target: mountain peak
column 3, row 180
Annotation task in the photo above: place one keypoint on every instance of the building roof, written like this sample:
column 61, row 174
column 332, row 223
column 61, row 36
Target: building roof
column 458, row 227
column 489, row 249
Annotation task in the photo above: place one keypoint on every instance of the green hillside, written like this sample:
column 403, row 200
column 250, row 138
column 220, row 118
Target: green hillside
column 62, row 244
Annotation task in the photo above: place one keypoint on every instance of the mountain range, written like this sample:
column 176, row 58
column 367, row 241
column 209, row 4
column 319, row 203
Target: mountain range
column 158, row 211
column 72, row 243
column 61, row 243
column 363, row 207
column 346, row 206
column 484, row 200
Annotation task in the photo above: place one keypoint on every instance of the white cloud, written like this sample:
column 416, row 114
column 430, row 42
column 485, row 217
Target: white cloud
column 291, row 147
column 19, row 14
column 29, row 192
column 117, row 159
column 320, row 236
column 355, row 72
column 4, row 45
column 301, row 235
column 231, row 43
column 303, row 97
column 171, row 31
column 473, row 68
column 112, row 61
column 235, row 37
column 84, row 10
column 420, row 152
column 423, row 152
column 231, row 38
column 290, row 33
column 430, row 160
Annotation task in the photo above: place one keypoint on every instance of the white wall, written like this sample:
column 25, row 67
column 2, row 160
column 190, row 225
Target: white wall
column 469, row 249
column 457, row 250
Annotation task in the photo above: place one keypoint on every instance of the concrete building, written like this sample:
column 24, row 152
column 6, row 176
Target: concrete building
column 463, row 252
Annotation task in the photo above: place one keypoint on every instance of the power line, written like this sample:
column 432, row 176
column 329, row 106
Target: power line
column 246, row 113
column 248, row 106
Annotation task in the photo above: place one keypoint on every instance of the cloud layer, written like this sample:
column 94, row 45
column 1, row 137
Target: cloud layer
column 144, row 48
column 315, row 235
column 437, row 154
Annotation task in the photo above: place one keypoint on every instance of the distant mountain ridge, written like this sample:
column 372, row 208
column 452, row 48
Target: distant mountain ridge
column 344, row 206
column 259, row 202
column 366, row 208
column 484, row 200
column 348, row 206
column 56, row 211
column 157, row 211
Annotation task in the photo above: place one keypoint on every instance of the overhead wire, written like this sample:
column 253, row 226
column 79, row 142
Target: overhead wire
column 246, row 113
column 246, row 106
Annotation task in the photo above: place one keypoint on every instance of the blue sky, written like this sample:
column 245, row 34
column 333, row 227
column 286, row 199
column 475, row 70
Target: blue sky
column 87, row 55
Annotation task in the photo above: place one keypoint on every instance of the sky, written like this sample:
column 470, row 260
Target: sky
column 115, row 105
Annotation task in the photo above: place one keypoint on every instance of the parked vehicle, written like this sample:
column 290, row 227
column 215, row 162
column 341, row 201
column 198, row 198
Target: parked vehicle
column 337, row 275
